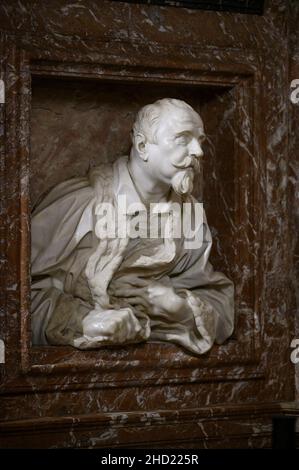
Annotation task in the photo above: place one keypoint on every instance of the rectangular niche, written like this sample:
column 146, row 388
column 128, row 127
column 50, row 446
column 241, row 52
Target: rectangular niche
column 78, row 120
column 78, row 124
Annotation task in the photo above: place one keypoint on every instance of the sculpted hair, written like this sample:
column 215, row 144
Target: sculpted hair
column 148, row 118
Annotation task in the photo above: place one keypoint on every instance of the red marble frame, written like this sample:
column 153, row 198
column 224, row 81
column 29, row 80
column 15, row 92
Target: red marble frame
column 241, row 353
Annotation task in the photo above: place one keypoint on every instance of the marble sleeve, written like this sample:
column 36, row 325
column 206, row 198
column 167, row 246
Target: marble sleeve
column 209, row 293
column 59, row 224
column 56, row 317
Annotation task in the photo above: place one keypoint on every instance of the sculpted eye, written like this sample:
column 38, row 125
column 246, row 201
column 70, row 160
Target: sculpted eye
column 182, row 139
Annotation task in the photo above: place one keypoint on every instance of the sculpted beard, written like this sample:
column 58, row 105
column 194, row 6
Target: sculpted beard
column 182, row 181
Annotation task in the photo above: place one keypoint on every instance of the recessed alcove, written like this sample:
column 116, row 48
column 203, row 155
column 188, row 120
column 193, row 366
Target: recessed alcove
column 81, row 116
column 76, row 124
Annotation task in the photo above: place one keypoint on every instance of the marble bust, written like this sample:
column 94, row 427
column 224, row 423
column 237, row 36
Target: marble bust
column 93, row 286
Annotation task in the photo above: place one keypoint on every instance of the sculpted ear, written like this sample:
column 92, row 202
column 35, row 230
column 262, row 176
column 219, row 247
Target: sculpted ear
column 141, row 146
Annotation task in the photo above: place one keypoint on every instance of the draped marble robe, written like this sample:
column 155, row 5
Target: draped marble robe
column 74, row 272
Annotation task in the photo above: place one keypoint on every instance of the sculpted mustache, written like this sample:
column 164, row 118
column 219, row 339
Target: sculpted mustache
column 189, row 162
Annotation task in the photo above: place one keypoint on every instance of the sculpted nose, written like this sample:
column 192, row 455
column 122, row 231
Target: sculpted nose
column 195, row 149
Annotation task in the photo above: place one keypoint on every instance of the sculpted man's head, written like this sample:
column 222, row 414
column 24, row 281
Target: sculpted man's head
column 167, row 137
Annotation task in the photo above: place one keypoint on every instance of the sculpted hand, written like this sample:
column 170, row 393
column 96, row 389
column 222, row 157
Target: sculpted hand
column 164, row 299
column 157, row 297
column 108, row 327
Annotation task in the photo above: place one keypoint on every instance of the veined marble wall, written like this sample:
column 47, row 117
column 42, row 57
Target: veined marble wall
column 236, row 68
column 294, row 168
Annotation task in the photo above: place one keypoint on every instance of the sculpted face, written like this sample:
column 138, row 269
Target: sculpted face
column 175, row 156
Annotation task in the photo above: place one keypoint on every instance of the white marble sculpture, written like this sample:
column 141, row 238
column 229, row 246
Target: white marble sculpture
column 91, row 288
